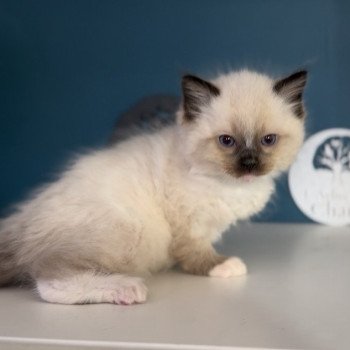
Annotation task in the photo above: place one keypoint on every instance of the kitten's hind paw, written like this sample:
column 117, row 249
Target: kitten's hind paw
column 229, row 268
column 135, row 293
column 89, row 287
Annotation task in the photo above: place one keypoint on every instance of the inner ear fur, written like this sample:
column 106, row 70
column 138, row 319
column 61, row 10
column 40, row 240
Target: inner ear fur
column 196, row 93
column 291, row 88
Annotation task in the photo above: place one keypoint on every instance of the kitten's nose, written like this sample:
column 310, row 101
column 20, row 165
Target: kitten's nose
column 249, row 162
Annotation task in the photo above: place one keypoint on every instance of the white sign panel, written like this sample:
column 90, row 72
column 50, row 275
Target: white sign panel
column 319, row 180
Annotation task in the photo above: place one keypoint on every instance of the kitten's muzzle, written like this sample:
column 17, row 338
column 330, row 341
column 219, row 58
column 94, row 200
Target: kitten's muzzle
column 248, row 161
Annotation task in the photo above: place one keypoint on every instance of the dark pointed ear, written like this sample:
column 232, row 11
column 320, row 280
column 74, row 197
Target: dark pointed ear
column 291, row 89
column 196, row 93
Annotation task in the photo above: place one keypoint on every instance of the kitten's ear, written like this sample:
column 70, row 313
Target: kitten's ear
column 291, row 89
column 196, row 93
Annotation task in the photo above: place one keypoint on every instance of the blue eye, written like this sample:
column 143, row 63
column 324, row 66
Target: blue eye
column 226, row 140
column 269, row 140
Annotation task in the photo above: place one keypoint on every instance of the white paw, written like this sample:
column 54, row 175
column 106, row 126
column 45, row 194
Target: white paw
column 229, row 268
column 134, row 293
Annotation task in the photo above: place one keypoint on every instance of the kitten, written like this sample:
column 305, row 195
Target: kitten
column 158, row 199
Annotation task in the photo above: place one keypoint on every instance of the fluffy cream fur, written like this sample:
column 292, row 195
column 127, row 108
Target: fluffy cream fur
column 149, row 202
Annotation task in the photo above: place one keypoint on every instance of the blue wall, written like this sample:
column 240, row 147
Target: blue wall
column 69, row 68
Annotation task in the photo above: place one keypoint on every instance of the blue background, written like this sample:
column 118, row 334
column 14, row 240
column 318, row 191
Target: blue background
column 69, row 68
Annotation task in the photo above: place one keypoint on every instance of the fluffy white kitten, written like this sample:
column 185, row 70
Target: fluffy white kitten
column 158, row 199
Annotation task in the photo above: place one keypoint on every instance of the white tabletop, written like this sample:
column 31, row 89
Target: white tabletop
column 296, row 296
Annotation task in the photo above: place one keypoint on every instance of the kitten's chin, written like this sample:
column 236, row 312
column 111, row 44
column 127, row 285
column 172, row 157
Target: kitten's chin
column 248, row 178
column 251, row 178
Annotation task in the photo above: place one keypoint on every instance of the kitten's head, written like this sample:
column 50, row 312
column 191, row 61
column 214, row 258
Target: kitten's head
column 242, row 124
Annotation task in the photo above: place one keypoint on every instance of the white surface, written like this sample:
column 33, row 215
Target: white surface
column 296, row 296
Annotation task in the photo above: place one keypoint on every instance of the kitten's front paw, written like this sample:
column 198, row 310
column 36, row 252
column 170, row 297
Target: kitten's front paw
column 229, row 268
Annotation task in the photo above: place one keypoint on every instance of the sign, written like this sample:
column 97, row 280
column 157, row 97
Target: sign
column 319, row 180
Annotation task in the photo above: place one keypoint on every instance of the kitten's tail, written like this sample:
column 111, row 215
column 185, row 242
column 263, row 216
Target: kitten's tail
column 9, row 270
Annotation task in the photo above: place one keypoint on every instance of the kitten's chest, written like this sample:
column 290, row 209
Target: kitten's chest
column 215, row 208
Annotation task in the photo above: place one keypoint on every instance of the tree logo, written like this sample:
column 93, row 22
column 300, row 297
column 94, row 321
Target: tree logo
column 333, row 155
column 319, row 180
